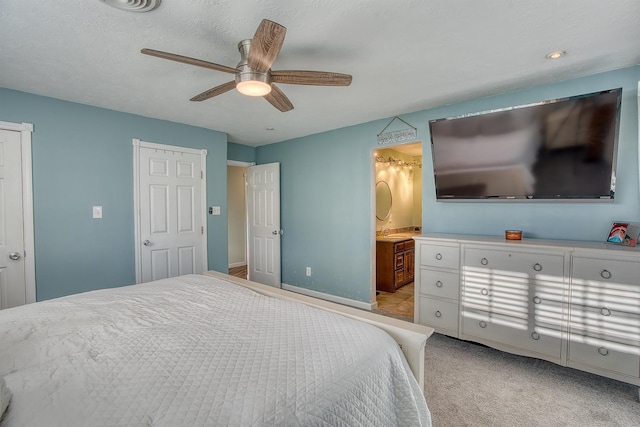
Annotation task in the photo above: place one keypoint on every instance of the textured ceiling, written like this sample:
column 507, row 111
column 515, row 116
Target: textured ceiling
column 404, row 55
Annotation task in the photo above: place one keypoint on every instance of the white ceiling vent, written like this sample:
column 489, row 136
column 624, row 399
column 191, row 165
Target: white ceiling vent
column 133, row 5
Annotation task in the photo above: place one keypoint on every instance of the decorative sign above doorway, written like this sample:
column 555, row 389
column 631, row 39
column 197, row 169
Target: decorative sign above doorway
column 395, row 136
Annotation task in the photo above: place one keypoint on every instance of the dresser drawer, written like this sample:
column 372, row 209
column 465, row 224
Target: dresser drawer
column 530, row 265
column 440, row 256
column 585, row 270
column 605, row 321
column 514, row 296
column 520, row 333
column 442, row 284
column 439, row 315
column 603, row 354
column 618, row 297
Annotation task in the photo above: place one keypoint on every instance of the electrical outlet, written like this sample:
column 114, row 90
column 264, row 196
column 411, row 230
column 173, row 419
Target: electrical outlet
column 308, row 271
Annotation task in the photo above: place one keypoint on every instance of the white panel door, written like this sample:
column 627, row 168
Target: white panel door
column 263, row 206
column 12, row 269
column 172, row 235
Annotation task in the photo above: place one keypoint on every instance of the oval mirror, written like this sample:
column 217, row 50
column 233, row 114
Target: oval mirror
column 383, row 200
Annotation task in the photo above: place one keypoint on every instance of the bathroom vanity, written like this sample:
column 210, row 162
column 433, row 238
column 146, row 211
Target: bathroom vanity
column 395, row 260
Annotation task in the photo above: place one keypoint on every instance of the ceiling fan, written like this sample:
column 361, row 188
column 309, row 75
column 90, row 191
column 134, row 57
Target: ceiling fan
column 253, row 74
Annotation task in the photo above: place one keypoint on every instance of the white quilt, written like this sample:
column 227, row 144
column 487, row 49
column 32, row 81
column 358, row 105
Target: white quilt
column 196, row 351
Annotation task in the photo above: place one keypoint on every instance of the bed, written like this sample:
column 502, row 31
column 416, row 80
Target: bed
column 207, row 350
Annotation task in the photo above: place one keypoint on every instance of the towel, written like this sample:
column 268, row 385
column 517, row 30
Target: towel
column 5, row 397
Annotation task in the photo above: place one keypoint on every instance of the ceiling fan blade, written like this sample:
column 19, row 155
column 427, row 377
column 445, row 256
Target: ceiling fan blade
column 265, row 45
column 218, row 90
column 187, row 60
column 314, row 78
column 278, row 99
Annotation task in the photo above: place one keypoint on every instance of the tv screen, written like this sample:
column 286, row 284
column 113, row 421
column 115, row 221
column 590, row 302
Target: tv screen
column 561, row 149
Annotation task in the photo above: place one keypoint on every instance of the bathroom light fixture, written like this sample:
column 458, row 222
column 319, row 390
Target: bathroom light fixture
column 556, row 54
column 397, row 162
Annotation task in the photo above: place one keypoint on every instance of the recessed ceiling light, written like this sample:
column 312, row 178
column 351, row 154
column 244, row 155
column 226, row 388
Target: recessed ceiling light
column 556, row 55
column 133, row 5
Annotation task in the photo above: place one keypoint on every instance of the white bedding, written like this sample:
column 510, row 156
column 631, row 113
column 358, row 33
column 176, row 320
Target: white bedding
column 5, row 397
column 197, row 350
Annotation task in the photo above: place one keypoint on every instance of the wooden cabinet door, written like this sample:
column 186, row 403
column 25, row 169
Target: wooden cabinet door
column 409, row 265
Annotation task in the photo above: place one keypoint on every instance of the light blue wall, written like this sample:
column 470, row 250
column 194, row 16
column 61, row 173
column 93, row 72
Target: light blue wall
column 326, row 186
column 325, row 197
column 241, row 153
column 83, row 156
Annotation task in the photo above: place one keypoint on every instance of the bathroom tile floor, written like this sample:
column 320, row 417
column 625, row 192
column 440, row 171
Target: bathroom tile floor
column 398, row 304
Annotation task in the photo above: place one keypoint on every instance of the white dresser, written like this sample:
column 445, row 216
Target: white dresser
column 572, row 303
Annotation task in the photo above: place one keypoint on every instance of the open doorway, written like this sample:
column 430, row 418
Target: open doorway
column 237, row 218
column 398, row 212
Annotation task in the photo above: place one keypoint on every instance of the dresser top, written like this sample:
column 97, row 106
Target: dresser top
column 570, row 245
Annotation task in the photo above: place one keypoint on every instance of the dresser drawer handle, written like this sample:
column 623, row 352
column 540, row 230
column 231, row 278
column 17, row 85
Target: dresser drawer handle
column 605, row 311
column 535, row 336
column 438, row 284
column 605, row 274
column 537, row 266
column 484, row 291
column 484, row 261
column 603, row 351
column 537, row 300
column 438, row 256
column 438, row 314
column 482, row 324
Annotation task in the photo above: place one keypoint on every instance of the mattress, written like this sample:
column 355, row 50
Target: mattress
column 197, row 350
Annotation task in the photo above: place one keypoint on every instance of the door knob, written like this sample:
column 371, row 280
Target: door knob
column 147, row 243
column 14, row 256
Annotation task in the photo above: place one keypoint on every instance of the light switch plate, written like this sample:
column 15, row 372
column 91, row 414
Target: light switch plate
column 97, row 212
column 214, row 210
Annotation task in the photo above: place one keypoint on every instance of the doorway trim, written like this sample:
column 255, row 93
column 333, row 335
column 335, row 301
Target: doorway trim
column 241, row 164
column 26, row 129
column 137, row 145
column 373, row 228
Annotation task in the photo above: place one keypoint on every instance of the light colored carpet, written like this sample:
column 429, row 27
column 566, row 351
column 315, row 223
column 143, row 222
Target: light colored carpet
column 467, row 384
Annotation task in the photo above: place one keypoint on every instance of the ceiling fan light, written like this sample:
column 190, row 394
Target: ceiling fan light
column 253, row 88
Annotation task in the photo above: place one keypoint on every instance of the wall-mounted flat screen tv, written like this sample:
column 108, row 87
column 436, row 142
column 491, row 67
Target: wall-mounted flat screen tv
column 561, row 149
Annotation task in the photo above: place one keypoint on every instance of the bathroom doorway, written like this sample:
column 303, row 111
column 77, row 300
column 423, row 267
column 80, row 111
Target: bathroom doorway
column 398, row 216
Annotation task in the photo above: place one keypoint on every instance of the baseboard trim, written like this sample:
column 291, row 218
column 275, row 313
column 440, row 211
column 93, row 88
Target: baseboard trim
column 238, row 264
column 328, row 297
